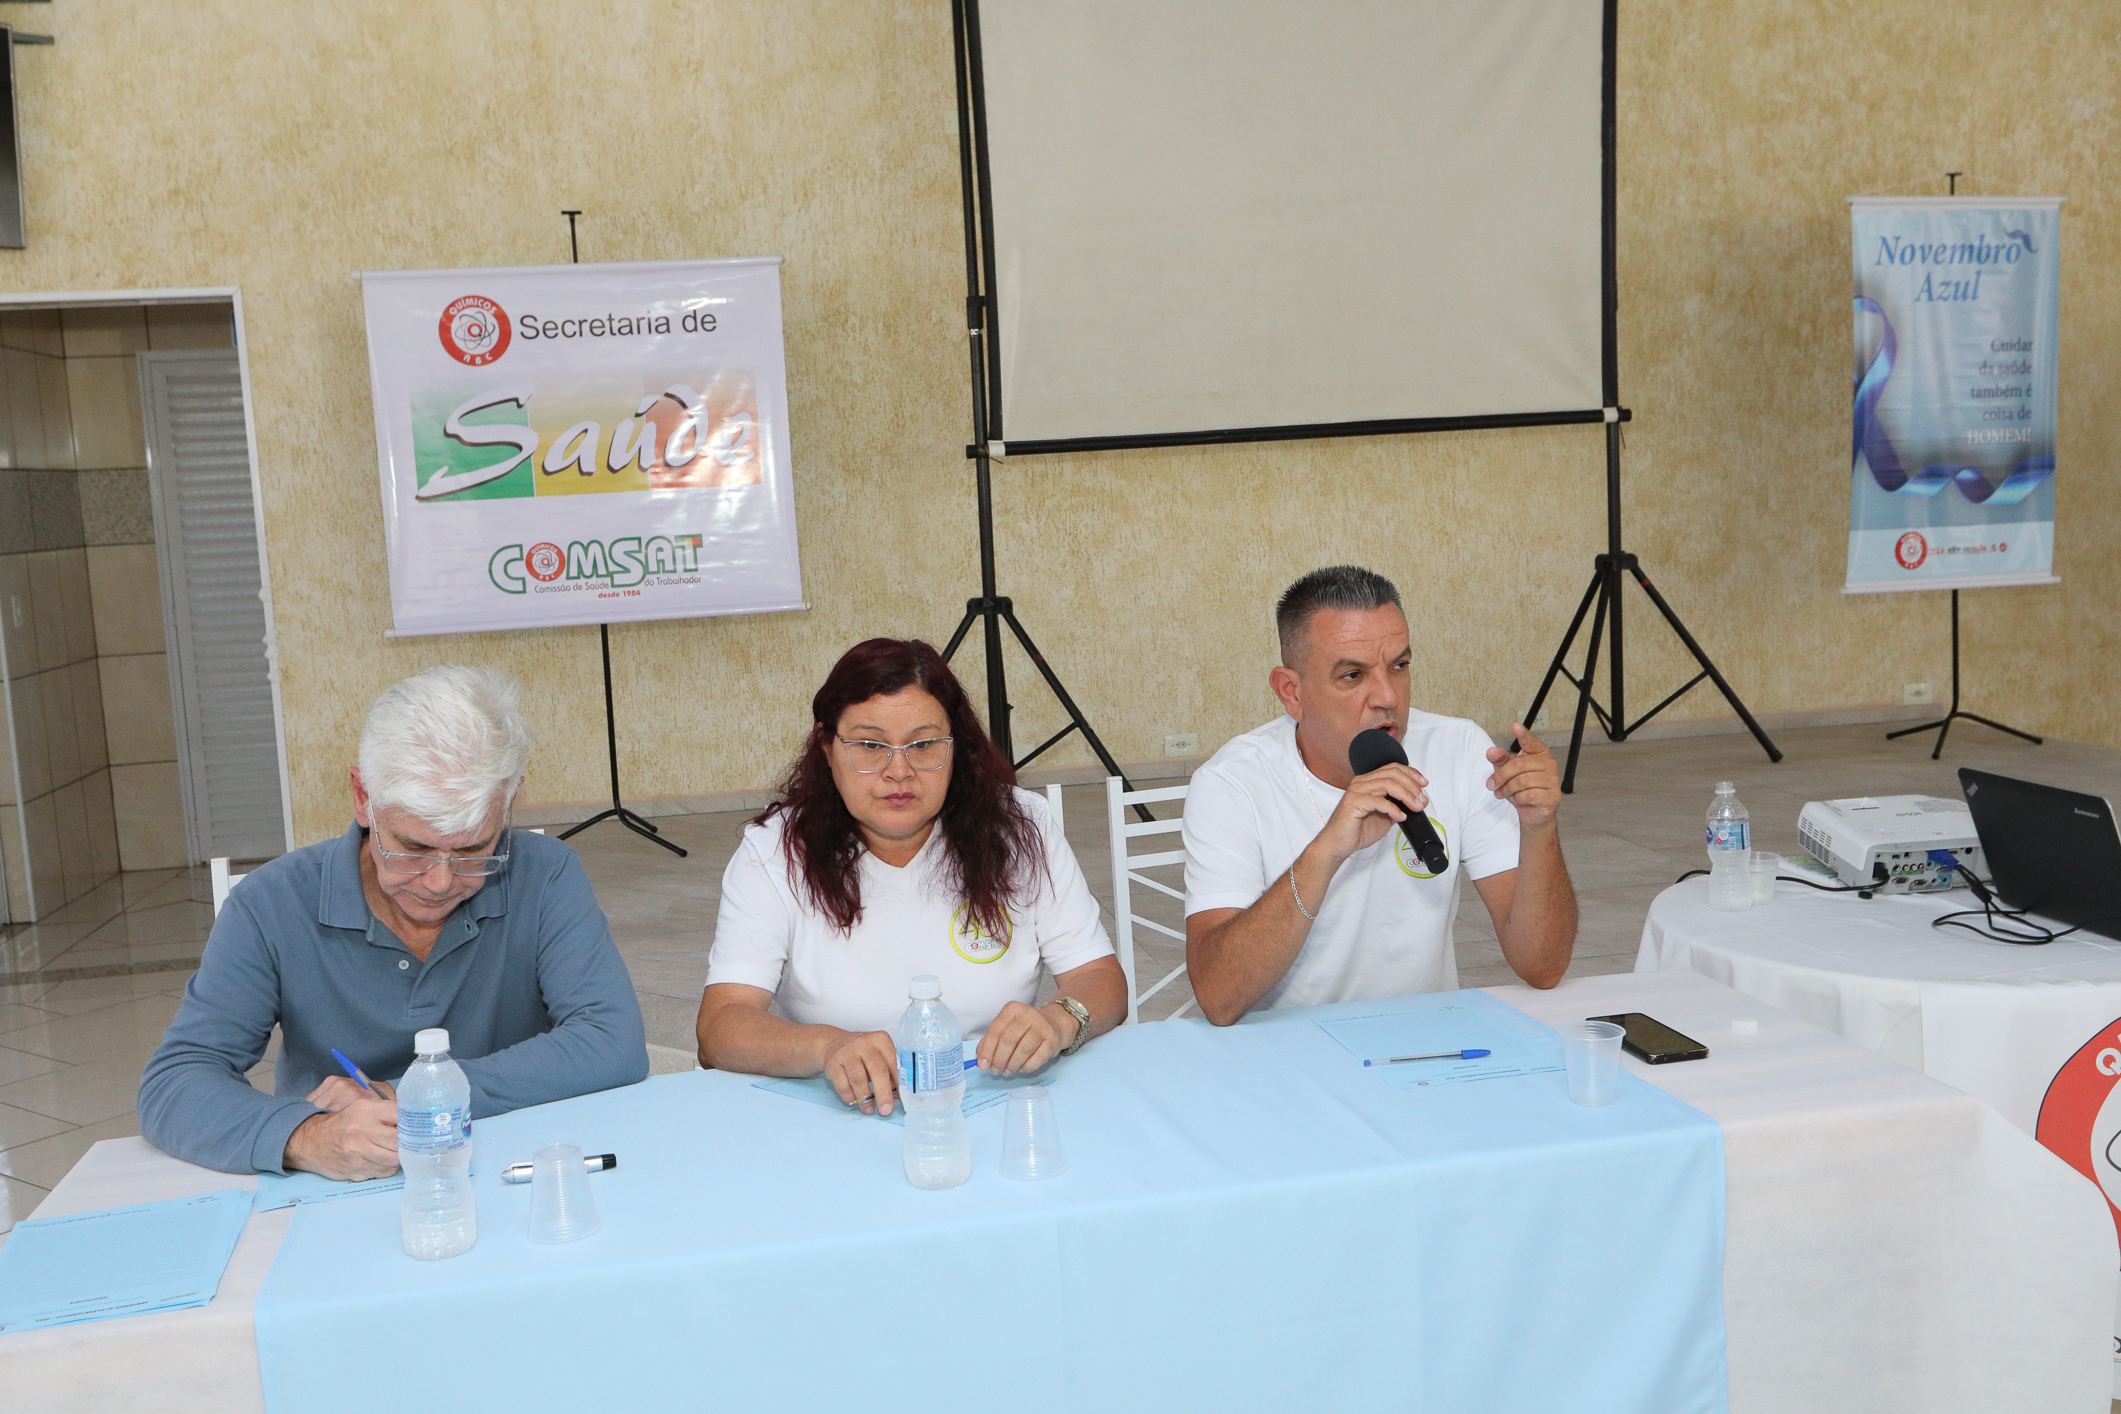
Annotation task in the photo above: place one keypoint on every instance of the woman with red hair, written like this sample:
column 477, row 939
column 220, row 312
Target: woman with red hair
column 900, row 845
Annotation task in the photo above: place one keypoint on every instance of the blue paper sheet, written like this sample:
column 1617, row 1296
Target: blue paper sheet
column 286, row 1190
column 982, row 1091
column 119, row 1261
column 278, row 1191
column 1248, row 1221
column 1446, row 1021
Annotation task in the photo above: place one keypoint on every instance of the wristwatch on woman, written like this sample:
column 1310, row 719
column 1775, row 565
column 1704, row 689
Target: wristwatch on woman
column 1081, row 1014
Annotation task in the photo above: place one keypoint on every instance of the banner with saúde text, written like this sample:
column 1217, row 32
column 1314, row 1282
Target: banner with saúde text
column 582, row 444
column 1952, row 454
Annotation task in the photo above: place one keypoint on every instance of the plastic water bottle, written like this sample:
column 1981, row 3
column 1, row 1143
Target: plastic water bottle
column 434, row 1151
column 1730, row 852
column 931, row 1088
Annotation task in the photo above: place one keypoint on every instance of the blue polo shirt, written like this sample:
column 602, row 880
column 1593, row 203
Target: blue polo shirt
column 537, row 1000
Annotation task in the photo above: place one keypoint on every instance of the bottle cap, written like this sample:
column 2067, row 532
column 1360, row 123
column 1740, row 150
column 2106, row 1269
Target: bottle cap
column 433, row 1041
column 925, row 988
column 1726, row 788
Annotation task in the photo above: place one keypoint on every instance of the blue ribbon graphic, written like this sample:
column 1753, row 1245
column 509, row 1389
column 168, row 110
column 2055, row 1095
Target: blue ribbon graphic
column 1871, row 442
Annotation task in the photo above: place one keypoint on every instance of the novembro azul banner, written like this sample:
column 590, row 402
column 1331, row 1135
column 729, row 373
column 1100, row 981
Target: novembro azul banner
column 1952, row 438
column 582, row 444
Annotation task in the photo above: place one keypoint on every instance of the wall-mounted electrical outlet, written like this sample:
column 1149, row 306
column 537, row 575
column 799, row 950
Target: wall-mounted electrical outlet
column 1187, row 745
column 1914, row 694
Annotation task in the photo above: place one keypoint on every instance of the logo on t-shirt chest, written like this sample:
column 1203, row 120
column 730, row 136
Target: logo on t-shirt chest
column 1410, row 862
column 974, row 944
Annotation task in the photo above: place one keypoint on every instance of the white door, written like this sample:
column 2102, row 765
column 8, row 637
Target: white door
column 206, row 538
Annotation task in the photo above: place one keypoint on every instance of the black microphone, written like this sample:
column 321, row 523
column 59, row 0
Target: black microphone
column 1377, row 747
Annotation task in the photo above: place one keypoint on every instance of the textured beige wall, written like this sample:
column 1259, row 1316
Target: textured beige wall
column 276, row 146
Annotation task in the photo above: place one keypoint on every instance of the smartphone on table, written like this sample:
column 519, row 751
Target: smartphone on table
column 1649, row 1039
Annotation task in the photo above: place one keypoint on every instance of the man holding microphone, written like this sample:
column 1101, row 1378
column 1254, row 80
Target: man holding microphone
column 1301, row 888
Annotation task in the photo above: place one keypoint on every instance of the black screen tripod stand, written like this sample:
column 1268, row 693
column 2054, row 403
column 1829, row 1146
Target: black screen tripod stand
column 990, row 608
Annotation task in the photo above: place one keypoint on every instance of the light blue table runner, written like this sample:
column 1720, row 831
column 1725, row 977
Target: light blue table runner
column 1250, row 1220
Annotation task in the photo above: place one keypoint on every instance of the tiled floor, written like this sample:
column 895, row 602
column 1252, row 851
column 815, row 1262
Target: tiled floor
column 84, row 997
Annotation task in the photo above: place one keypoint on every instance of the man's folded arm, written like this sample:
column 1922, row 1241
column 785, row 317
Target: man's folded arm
column 195, row 1101
column 597, row 1041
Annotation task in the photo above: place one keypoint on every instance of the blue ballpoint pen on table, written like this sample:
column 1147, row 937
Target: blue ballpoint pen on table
column 1440, row 1055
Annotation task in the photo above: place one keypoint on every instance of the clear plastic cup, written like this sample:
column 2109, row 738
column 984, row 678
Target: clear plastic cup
column 1764, row 868
column 561, row 1206
column 1592, row 1051
column 1031, row 1146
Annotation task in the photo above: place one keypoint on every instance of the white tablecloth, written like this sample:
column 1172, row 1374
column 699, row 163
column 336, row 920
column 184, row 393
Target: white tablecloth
column 1891, row 1244
column 1996, row 1020
column 2033, row 1030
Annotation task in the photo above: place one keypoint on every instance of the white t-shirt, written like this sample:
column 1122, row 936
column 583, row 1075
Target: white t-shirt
column 1384, row 926
column 770, row 935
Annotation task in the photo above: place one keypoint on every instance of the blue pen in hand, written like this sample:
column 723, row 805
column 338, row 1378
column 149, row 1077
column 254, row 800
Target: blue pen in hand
column 353, row 1070
column 1440, row 1055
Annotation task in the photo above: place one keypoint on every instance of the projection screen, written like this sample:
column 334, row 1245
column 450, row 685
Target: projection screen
column 1214, row 216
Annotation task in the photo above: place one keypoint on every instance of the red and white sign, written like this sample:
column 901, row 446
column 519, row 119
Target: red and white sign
column 2080, row 1116
column 475, row 330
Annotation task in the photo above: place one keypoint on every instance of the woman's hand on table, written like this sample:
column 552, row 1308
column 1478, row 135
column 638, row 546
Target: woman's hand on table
column 863, row 1068
column 1023, row 1038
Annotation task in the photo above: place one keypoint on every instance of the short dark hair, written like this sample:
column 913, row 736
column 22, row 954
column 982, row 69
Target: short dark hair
column 1349, row 587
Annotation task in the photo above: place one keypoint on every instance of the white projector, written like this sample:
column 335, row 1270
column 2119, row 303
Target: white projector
column 1888, row 841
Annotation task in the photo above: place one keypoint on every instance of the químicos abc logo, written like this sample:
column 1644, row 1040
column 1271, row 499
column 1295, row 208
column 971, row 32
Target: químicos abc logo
column 475, row 330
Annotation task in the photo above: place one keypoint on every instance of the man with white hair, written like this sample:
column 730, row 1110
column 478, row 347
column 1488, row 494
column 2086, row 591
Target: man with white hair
column 428, row 911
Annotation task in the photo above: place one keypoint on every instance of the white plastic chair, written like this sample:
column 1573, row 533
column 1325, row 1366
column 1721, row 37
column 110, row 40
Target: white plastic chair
column 1126, row 873
column 1060, row 810
column 223, row 882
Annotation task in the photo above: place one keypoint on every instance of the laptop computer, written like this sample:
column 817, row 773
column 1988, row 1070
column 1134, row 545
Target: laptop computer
column 2051, row 851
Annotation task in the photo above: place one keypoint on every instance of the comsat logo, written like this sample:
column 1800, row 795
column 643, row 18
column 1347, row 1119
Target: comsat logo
column 595, row 564
column 474, row 330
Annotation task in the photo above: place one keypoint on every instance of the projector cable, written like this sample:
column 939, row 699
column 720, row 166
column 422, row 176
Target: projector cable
column 1994, row 919
column 1864, row 889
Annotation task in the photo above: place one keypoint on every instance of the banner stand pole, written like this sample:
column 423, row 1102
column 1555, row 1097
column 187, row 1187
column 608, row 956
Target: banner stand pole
column 1943, row 725
column 990, row 608
column 1607, row 568
column 618, row 811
